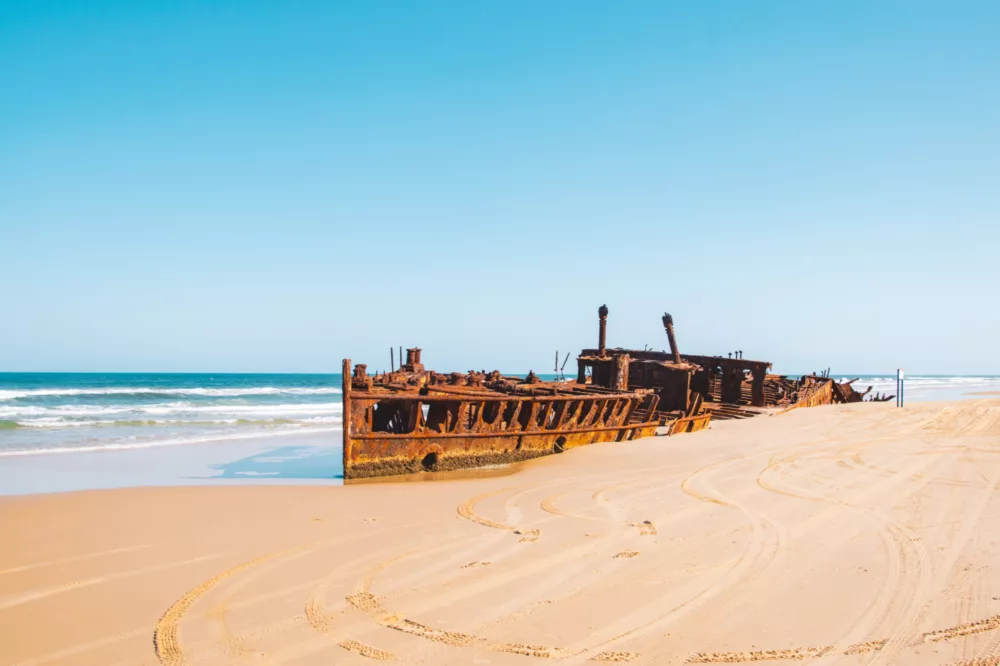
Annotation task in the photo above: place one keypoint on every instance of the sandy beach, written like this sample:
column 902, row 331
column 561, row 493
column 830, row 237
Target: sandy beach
column 854, row 534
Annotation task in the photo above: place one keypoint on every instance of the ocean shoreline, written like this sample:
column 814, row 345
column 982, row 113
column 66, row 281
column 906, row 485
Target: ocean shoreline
column 282, row 459
column 90, row 431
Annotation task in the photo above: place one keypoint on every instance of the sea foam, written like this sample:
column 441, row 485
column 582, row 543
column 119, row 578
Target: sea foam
column 165, row 391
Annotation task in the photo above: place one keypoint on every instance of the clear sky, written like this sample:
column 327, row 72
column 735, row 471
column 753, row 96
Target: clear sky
column 272, row 186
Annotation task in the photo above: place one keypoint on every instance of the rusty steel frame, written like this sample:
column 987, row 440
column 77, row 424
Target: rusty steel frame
column 732, row 386
column 413, row 419
column 448, row 426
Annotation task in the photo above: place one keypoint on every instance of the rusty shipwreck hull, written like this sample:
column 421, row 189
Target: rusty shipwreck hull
column 414, row 420
column 816, row 390
column 695, row 389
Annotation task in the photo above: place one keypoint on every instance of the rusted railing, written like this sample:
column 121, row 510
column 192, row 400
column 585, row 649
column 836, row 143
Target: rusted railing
column 487, row 416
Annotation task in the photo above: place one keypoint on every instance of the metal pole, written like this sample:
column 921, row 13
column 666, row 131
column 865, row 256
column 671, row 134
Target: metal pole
column 602, row 333
column 668, row 326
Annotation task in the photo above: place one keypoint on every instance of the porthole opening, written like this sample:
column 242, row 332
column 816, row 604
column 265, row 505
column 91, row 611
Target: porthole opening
column 430, row 461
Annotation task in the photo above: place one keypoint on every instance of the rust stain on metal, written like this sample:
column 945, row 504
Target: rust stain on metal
column 413, row 419
column 694, row 388
column 416, row 420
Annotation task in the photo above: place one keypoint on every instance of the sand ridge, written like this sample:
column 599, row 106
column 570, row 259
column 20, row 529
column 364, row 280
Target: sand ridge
column 857, row 534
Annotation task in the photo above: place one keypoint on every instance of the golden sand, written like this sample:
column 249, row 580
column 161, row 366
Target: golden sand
column 859, row 534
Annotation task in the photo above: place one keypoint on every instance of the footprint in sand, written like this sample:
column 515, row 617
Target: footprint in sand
column 474, row 564
column 364, row 601
column 646, row 528
column 616, row 656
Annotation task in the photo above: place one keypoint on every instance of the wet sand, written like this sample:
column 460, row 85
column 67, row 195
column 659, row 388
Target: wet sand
column 283, row 459
column 859, row 534
column 983, row 393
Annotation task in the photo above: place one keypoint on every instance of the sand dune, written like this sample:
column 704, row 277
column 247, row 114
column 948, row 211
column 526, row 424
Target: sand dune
column 854, row 534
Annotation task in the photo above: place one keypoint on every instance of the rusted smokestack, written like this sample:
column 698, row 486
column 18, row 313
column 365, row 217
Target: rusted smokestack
column 602, row 336
column 413, row 363
column 668, row 324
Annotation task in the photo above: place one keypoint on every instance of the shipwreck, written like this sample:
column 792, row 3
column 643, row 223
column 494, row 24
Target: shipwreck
column 412, row 419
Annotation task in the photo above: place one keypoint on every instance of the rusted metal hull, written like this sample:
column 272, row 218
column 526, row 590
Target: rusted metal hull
column 414, row 420
column 821, row 390
column 731, row 386
column 821, row 394
column 690, row 423
column 389, row 455
column 393, row 426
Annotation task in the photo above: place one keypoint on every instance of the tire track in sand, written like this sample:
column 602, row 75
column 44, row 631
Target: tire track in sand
column 763, row 545
column 76, row 558
column 800, row 653
column 33, row 595
column 765, row 542
column 902, row 620
column 233, row 644
column 630, row 481
column 467, row 510
column 548, row 505
column 568, row 564
column 166, row 643
column 780, row 535
column 475, row 547
column 322, row 620
column 236, row 645
column 528, row 600
column 970, row 521
column 81, row 648
column 363, row 600
column 900, row 546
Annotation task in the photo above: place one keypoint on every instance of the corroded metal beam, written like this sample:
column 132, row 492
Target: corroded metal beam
column 602, row 334
column 412, row 421
column 668, row 325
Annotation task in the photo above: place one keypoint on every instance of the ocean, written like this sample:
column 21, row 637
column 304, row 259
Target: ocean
column 46, row 413
column 926, row 388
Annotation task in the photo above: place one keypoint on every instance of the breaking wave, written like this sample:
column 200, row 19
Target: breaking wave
column 929, row 387
column 62, row 422
column 109, row 412
column 6, row 395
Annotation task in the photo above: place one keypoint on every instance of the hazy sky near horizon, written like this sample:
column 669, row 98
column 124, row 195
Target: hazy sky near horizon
column 265, row 186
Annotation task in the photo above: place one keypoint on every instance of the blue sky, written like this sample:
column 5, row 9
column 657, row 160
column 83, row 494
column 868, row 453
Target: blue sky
column 264, row 186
